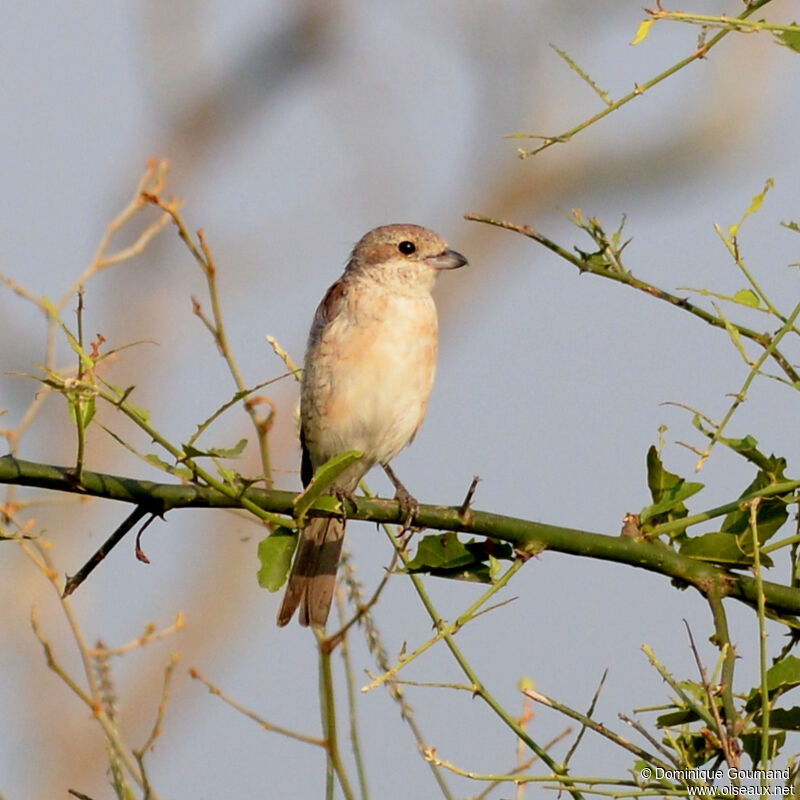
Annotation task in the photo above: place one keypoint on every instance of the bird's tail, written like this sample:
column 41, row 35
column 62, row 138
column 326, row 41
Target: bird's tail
column 313, row 575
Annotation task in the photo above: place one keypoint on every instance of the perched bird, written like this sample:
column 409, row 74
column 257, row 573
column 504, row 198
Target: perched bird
column 367, row 378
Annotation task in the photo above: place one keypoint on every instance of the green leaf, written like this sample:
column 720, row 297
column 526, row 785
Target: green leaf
column 159, row 462
column 229, row 476
column 83, row 410
column 789, row 38
column 748, row 448
column 781, row 677
column 190, row 451
column 755, row 205
column 747, row 297
column 643, row 30
column 138, row 411
column 671, row 504
column 668, row 491
column 324, row 478
column 275, row 554
column 721, row 548
column 771, row 513
column 695, row 749
column 787, row 719
column 675, row 718
column 446, row 556
column 751, row 744
column 156, row 461
column 733, row 543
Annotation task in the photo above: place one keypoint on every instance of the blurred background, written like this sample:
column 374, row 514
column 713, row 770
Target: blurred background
column 291, row 129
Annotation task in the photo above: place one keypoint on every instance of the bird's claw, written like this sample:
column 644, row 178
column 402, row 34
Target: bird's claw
column 345, row 497
column 409, row 506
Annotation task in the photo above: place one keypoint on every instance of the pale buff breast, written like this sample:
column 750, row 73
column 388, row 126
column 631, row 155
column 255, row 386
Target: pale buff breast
column 372, row 377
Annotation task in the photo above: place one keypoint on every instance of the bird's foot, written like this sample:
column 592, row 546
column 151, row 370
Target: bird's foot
column 345, row 498
column 409, row 506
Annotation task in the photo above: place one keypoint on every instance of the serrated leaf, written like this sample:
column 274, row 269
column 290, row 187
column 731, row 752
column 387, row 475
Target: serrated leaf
column 642, row 31
column 183, row 472
column 275, row 554
column 229, row 452
column 747, row 297
column 190, row 451
column 159, row 462
column 323, row 479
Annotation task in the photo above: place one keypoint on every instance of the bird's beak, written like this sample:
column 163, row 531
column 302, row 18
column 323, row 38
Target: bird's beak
column 450, row 259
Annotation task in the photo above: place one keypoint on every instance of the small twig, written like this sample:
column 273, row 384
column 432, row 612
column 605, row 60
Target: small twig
column 352, row 703
column 639, row 728
column 335, row 764
column 376, row 647
column 140, row 554
column 638, row 90
column 597, row 727
column 464, row 508
column 527, row 763
column 74, row 581
column 723, row 642
column 446, row 631
column 762, row 637
column 285, row 357
column 592, row 705
column 722, row 728
column 169, row 671
column 216, row 325
column 624, row 277
column 726, row 23
column 573, row 65
column 264, row 724
column 150, row 635
column 363, row 608
column 688, row 700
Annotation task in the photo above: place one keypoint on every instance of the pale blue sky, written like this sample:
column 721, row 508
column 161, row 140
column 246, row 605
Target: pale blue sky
column 550, row 384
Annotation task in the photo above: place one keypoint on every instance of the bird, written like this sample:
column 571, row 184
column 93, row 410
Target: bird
column 367, row 378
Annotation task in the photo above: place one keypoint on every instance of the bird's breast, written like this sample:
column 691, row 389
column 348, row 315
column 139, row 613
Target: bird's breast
column 368, row 376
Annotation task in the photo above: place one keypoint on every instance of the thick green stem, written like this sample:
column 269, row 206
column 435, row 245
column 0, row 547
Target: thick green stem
column 526, row 535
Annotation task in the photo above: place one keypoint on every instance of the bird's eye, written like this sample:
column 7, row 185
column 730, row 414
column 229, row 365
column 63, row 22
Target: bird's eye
column 406, row 248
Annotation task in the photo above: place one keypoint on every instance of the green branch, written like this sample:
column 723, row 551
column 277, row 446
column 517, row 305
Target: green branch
column 527, row 536
column 640, row 88
column 585, row 263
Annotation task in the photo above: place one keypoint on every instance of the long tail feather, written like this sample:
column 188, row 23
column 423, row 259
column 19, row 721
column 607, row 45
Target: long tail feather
column 313, row 575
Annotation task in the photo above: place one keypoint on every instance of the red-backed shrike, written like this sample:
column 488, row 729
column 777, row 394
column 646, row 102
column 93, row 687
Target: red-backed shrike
column 367, row 378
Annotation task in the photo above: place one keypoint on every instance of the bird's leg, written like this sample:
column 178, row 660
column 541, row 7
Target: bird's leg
column 409, row 506
column 345, row 496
